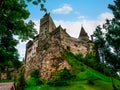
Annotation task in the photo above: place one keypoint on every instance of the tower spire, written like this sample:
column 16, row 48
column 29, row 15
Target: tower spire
column 83, row 32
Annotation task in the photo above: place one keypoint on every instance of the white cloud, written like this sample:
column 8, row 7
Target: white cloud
column 21, row 50
column 105, row 16
column 82, row 17
column 37, row 25
column 73, row 27
column 65, row 9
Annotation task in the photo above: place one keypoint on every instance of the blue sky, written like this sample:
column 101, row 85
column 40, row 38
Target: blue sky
column 71, row 14
column 89, row 8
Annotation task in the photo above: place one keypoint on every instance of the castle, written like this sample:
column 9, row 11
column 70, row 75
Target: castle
column 44, row 50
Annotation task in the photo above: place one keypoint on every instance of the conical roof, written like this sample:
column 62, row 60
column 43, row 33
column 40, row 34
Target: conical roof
column 83, row 33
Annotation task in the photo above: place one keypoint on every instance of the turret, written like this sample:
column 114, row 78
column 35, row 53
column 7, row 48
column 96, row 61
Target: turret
column 83, row 35
column 46, row 24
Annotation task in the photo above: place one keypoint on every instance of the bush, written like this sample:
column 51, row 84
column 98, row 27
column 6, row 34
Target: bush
column 35, row 74
column 90, row 81
column 65, row 74
column 63, row 77
column 20, row 81
column 79, row 56
column 34, row 79
column 82, row 69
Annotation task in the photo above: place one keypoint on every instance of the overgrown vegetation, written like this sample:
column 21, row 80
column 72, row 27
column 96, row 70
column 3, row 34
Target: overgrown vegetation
column 20, row 80
column 62, row 78
column 13, row 14
column 106, row 40
column 79, row 77
column 34, row 79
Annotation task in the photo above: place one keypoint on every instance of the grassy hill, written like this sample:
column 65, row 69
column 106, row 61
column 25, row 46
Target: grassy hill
column 86, row 78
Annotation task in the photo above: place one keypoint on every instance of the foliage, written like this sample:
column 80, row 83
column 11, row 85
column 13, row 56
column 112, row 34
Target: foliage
column 34, row 79
column 88, row 79
column 39, row 2
column 71, row 58
column 90, row 60
column 62, row 78
column 33, row 82
column 35, row 74
column 65, row 74
column 107, row 43
column 20, row 81
column 79, row 56
column 76, row 79
column 13, row 14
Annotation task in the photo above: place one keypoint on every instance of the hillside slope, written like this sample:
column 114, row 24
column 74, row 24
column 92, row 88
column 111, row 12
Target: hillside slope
column 86, row 78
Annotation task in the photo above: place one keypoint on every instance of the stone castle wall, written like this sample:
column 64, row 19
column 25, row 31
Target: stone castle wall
column 48, row 47
column 48, row 58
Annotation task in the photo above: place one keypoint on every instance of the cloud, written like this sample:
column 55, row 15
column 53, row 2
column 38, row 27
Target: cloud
column 73, row 27
column 82, row 17
column 21, row 50
column 105, row 16
column 37, row 25
column 65, row 9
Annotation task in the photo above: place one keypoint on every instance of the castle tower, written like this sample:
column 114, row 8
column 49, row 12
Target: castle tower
column 44, row 52
column 83, row 35
column 46, row 25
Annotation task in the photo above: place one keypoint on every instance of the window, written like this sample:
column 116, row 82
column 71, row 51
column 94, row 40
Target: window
column 68, row 48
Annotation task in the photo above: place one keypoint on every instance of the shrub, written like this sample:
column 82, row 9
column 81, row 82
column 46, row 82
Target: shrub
column 35, row 74
column 79, row 56
column 62, row 78
column 34, row 79
column 90, row 81
column 65, row 74
column 82, row 69
column 20, row 81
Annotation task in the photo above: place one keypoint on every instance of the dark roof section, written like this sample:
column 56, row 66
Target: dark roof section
column 83, row 33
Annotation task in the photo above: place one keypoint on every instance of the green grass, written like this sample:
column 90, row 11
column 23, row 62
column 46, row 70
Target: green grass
column 86, row 78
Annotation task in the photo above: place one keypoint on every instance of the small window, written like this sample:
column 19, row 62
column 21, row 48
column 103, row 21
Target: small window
column 68, row 48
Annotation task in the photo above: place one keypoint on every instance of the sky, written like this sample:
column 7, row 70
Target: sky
column 71, row 14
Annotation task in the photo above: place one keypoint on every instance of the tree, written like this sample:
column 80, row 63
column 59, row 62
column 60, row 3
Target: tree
column 99, row 43
column 13, row 14
column 112, row 28
column 111, row 46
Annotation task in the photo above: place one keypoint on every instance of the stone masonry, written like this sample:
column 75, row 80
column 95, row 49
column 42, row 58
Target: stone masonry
column 44, row 51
